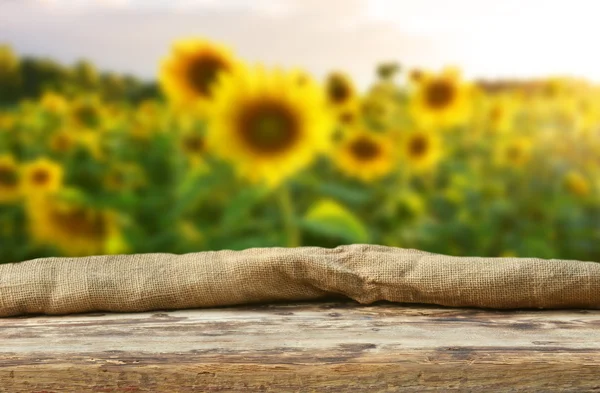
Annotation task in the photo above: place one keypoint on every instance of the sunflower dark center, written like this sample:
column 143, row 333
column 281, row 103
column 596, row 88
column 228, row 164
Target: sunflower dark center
column 269, row 127
column 62, row 143
column 365, row 149
column 416, row 75
column 374, row 109
column 439, row 94
column 347, row 117
column 8, row 177
column 118, row 178
column 193, row 143
column 418, row 146
column 40, row 177
column 203, row 72
column 87, row 114
column 80, row 222
column 338, row 90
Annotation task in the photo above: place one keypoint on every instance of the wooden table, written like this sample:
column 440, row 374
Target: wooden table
column 303, row 347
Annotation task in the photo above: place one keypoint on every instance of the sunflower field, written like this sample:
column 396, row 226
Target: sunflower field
column 231, row 155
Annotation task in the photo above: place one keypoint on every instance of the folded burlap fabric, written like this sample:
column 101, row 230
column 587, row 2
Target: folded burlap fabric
column 365, row 273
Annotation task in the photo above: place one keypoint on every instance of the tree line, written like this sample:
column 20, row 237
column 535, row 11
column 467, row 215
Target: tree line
column 28, row 77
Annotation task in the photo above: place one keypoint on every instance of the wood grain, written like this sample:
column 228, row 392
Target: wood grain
column 303, row 347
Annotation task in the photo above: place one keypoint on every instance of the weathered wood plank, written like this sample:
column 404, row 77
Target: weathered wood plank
column 303, row 347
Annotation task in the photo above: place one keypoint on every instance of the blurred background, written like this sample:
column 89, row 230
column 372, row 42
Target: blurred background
column 463, row 128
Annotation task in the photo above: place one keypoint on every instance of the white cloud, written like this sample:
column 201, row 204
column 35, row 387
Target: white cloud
column 503, row 38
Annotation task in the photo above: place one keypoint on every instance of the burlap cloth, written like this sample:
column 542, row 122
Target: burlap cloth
column 365, row 273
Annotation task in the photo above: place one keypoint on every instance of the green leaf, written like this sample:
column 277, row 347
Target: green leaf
column 191, row 191
column 239, row 207
column 327, row 217
column 348, row 194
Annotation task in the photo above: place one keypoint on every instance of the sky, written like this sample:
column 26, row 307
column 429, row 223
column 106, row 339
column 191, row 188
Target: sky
column 486, row 38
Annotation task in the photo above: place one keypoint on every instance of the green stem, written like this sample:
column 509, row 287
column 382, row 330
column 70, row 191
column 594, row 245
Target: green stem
column 287, row 211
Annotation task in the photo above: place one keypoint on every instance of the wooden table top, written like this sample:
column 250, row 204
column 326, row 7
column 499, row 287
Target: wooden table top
column 339, row 346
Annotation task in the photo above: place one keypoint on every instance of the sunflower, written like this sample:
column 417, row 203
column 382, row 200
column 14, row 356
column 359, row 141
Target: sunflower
column 501, row 111
column 41, row 176
column 365, row 155
column 440, row 100
column 576, row 184
column 88, row 120
column 54, row 103
column 146, row 120
column 415, row 76
column 267, row 125
column 9, row 180
column 87, row 112
column 92, row 142
column 377, row 110
column 342, row 99
column 79, row 135
column 75, row 229
column 421, row 150
column 193, row 146
column 340, row 89
column 115, row 116
column 140, row 129
column 62, row 142
column 349, row 115
column 189, row 75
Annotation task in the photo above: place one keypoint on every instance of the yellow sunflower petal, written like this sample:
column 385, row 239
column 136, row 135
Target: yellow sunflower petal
column 189, row 74
column 421, row 150
column 41, row 176
column 271, row 128
column 366, row 156
column 441, row 101
column 10, row 190
column 75, row 230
